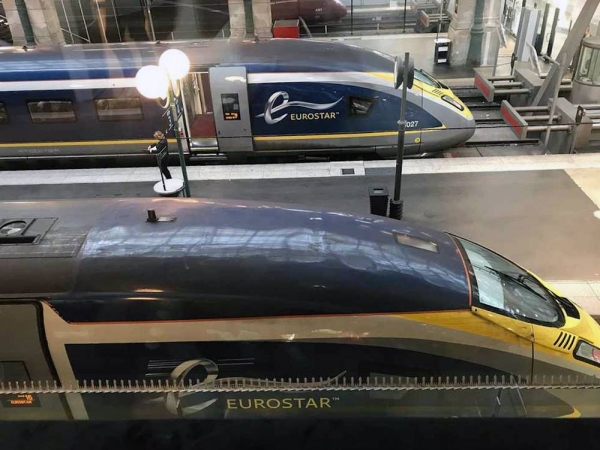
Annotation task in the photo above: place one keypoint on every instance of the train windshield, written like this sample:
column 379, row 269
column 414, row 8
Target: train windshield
column 423, row 77
column 504, row 286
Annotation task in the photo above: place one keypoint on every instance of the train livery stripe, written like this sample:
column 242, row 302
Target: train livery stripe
column 383, row 78
column 64, row 85
column 253, row 78
column 76, row 143
column 257, row 138
column 341, row 135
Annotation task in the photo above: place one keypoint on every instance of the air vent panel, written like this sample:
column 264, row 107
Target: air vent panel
column 24, row 231
column 565, row 341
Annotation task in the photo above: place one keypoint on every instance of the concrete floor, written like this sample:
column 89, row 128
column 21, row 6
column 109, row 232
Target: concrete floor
column 541, row 219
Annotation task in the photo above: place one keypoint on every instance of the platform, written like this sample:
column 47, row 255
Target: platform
column 421, row 48
column 541, row 211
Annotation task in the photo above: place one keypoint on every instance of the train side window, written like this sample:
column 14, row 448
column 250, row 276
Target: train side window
column 360, row 106
column 3, row 114
column 113, row 109
column 51, row 111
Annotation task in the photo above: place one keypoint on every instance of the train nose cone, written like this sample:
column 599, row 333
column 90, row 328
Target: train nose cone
column 469, row 127
column 337, row 10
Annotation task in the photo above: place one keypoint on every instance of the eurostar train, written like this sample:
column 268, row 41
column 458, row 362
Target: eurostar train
column 92, row 293
column 240, row 99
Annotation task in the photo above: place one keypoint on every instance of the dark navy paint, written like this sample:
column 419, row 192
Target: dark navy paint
column 225, row 261
column 382, row 115
column 87, row 126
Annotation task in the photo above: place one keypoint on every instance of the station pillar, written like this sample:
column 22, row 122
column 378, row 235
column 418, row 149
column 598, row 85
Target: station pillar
column 33, row 17
column 491, row 40
column 237, row 19
column 464, row 27
column 459, row 31
column 261, row 12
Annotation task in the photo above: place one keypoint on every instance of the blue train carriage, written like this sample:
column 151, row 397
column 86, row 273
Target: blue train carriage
column 230, row 295
column 74, row 102
column 278, row 96
column 303, row 96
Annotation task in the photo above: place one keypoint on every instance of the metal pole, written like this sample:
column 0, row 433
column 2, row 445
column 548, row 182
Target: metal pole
column 553, row 107
column 151, row 22
column 351, row 18
column 474, row 54
column 496, row 61
column 67, row 20
column 112, row 2
column 553, row 32
column 25, row 22
column 439, row 28
column 404, row 26
column 308, row 33
column 185, row 121
column 162, row 178
column 87, row 32
column 101, row 23
column 539, row 42
column 186, row 183
column 396, row 204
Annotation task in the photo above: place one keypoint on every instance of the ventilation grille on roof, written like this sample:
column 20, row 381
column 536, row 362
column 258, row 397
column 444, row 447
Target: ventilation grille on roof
column 415, row 242
column 24, row 231
column 565, row 341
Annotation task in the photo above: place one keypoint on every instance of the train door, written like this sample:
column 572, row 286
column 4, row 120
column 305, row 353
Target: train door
column 229, row 89
column 197, row 100
column 412, row 139
column 24, row 358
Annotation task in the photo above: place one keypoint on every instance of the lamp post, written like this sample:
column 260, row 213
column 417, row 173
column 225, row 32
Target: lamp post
column 403, row 75
column 163, row 82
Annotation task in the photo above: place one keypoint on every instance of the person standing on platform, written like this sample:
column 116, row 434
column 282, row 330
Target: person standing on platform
column 161, row 146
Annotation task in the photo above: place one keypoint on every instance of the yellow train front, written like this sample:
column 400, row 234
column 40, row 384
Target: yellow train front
column 265, row 311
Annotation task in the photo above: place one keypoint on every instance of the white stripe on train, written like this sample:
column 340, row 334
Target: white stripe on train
column 64, row 85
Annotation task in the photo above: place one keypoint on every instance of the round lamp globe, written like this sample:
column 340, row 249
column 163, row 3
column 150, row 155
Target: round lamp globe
column 175, row 62
column 152, row 82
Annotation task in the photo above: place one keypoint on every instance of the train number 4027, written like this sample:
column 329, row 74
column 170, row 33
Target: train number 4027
column 412, row 123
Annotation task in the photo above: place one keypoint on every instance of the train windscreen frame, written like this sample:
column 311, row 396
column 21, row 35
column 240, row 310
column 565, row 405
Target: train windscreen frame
column 502, row 286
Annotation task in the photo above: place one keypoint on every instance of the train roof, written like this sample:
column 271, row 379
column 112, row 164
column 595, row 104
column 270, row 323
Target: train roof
column 123, row 60
column 232, row 258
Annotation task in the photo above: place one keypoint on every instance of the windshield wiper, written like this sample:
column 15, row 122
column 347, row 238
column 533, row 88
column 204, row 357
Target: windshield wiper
column 518, row 279
column 568, row 306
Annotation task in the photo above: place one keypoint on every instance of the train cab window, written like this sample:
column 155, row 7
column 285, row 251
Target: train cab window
column 424, row 77
column 360, row 106
column 3, row 114
column 506, row 288
column 51, row 111
column 117, row 109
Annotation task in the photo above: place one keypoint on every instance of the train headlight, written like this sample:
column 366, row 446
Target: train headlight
column 453, row 102
column 588, row 353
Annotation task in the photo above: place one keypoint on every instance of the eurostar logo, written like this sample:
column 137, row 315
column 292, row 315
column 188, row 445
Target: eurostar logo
column 271, row 109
